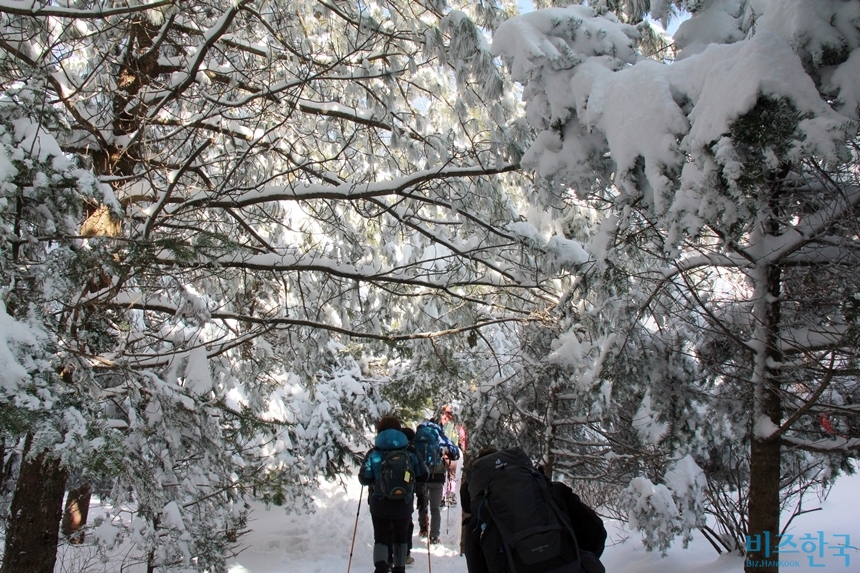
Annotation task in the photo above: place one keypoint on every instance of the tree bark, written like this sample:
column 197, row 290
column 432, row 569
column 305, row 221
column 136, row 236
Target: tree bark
column 763, row 505
column 765, row 456
column 75, row 515
column 34, row 522
column 549, row 434
column 465, row 515
column 3, row 476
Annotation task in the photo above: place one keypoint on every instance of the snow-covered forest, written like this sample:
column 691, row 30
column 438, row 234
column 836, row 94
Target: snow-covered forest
column 233, row 234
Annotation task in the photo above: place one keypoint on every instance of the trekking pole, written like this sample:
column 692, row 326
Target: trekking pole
column 354, row 530
column 429, row 567
column 449, row 486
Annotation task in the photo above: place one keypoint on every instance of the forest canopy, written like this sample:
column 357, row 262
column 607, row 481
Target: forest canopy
column 233, row 234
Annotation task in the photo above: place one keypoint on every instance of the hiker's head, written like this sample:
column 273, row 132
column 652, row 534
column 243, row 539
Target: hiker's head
column 484, row 452
column 387, row 423
column 446, row 415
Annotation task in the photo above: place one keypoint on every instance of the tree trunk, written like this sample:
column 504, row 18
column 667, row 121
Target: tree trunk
column 34, row 523
column 465, row 462
column 763, row 529
column 75, row 515
column 763, row 505
column 3, row 473
column 549, row 434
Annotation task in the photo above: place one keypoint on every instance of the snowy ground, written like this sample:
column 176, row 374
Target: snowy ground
column 320, row 543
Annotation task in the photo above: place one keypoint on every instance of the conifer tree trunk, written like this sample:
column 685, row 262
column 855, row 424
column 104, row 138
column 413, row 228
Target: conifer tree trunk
column 75, row 514
column 764, row 500
column 2, row 455
column 763, row 526
column 549, row 436
column 34, row 523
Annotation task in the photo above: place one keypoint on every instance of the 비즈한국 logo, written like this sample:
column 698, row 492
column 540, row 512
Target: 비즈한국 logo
column 789, row 547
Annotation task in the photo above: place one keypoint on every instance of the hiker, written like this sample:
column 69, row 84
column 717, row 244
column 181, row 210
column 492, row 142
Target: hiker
column 391, row 471
column 433, row 448
column 506, row 495
column 410, row 437
column 457, row 434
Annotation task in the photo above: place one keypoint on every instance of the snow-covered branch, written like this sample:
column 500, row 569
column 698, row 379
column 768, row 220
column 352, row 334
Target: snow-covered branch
column 352, row 191
column 775, row 249
column 809, row 403
column 37, row 9
column 828, row 445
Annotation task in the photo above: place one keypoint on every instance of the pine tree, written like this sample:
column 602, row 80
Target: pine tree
column 722, row 184
column 231, row 213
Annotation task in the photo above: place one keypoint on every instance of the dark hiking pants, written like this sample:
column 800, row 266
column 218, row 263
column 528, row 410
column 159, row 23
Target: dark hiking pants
column 395, row 532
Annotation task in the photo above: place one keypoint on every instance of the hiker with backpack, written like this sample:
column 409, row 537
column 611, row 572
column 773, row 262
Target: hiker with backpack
column 522, row 522
column 410, row 437
column 391, row 471
column 457, row 434
column 433, row 448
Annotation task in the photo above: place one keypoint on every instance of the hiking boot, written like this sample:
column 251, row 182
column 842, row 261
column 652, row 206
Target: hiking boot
column 422, row 534
column 434, row 541
column 410, row 560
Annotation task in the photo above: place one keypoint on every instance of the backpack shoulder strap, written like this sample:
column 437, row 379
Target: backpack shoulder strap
column 503, row 531
column 562, row 517
column 510, row 538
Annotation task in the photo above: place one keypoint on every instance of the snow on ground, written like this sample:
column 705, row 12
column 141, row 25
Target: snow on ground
column 320, row 543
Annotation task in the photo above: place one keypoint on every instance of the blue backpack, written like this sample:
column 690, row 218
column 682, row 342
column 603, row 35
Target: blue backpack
column 427, row 444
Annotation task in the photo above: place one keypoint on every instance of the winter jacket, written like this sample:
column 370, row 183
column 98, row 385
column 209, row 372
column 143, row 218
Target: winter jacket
column 457, row 433
column 381, row 506
column 450, row 451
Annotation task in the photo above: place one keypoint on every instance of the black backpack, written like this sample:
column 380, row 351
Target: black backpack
column 524, row 531
column 395, row 475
